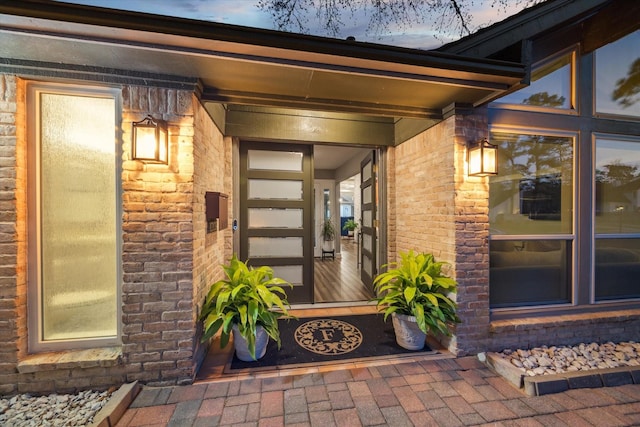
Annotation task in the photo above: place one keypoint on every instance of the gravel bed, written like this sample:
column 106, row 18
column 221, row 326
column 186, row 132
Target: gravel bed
column 52, row 410
column 559, row 359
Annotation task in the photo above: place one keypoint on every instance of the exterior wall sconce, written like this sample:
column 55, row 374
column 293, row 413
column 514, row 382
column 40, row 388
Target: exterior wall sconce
column 150, row 141
column 483, row 158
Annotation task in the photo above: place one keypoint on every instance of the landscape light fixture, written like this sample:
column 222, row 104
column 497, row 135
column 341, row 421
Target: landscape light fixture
column 150, row 141
column 482, row 158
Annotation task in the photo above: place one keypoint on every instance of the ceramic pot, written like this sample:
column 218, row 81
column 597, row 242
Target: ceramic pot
column 241, row 347
column 408, row 334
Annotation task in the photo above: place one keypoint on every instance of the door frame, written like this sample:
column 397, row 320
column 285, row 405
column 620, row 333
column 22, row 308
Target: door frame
column 382, row 237
column 299, row 294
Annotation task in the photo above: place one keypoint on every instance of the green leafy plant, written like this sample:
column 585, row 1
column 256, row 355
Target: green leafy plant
column 416, row 286
column 247, row 297
column 350, row 225
column 328, row 230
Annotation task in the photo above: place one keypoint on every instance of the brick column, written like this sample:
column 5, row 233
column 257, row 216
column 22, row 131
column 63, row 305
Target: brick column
column 471, row 239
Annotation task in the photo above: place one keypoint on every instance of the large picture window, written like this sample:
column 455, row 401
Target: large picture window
column 531, row 216
column 564, row 210
column 73, row 217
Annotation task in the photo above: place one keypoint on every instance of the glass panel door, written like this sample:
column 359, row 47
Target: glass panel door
column 368, row 209
column 276, row 213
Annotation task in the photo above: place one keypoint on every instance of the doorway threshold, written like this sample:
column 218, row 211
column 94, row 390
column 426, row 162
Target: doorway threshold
column 333, row 309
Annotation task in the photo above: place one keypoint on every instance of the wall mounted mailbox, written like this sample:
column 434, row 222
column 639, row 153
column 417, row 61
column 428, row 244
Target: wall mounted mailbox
column 216, row 210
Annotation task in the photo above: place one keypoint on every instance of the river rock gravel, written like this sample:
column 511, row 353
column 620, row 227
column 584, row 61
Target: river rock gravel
column 25, row 410
column 559, row 359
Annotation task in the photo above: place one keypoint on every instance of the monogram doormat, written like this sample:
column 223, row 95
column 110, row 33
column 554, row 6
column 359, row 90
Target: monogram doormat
column 319, row 340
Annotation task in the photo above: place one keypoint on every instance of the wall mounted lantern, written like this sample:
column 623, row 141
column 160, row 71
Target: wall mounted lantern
column 483, row 158
column 150, row 141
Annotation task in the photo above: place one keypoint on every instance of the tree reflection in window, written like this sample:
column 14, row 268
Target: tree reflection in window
column 618, row 77
column 550, row 85
column 627, row 91
column 534, row 192
column 617, row 177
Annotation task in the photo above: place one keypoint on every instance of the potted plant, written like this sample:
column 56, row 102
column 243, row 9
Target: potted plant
column 328, row 233
column 247, row 304
column 350, row 225
column 415, row 293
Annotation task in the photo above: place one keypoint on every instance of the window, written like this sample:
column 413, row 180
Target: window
column 550, row 85
column 564, row 211
column 73, row 217
column 618, row 77
column 617, row 219
column 531, row 216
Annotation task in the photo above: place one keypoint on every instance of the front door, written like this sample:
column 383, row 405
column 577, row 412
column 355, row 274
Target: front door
column 276, row 206
column 368, row 236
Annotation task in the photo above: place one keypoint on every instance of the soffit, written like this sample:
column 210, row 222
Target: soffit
column 244, row 66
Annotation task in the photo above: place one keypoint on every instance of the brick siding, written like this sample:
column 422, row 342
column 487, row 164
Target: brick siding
column 168, row 259
column 433, row 207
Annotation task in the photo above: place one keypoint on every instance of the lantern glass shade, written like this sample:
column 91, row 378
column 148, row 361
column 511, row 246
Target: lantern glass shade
column 150, row 141
column 483, row 159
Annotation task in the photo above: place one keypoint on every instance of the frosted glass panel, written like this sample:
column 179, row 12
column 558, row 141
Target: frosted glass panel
column 274, row 189
column 275, row 247
column 366, row 242
column 275, row 218
column 275, row 160
column 78, row 217
column 366, row 172
column 290, row 273
column 367, row 219
column 366, row 265
column 366, row 195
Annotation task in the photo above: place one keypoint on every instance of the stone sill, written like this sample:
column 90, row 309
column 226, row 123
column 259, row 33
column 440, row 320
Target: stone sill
column 71, row 359
column 556, row 383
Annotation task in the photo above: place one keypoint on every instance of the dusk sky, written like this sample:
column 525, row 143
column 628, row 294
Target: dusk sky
column 246, row 12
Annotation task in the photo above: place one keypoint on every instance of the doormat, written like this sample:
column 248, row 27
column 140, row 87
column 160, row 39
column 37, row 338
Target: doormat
column 319, row 340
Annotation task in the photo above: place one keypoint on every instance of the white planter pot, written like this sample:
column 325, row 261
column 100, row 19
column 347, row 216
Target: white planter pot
column 241, row 347
column 408, row 334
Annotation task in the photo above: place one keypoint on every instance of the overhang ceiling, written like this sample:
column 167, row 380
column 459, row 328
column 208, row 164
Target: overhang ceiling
column 244, row 66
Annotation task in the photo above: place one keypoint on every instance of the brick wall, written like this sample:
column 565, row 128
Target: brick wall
column 471, row 239
column 13, row 302
column 567, row 329
column 433, row 207
column 212, row 156
column 168, row 260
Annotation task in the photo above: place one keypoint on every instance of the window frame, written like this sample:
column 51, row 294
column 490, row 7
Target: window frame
column 569, row 237
column 595, row 236
column 35, row 340
column 594, row 104
column 584, row 124
column 573, row 96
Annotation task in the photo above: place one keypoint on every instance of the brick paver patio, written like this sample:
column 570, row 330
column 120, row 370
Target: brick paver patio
column 450, row 392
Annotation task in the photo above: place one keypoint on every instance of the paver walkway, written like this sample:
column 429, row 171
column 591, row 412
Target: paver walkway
column 448, row 392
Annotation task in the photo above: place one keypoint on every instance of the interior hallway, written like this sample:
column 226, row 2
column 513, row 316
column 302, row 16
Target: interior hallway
column 338, row 280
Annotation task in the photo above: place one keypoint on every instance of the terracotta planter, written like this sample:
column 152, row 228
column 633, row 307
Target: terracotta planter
column 408, row 334
column 240, row 344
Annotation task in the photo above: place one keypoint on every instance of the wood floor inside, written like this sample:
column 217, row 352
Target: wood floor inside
column 338, row 280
